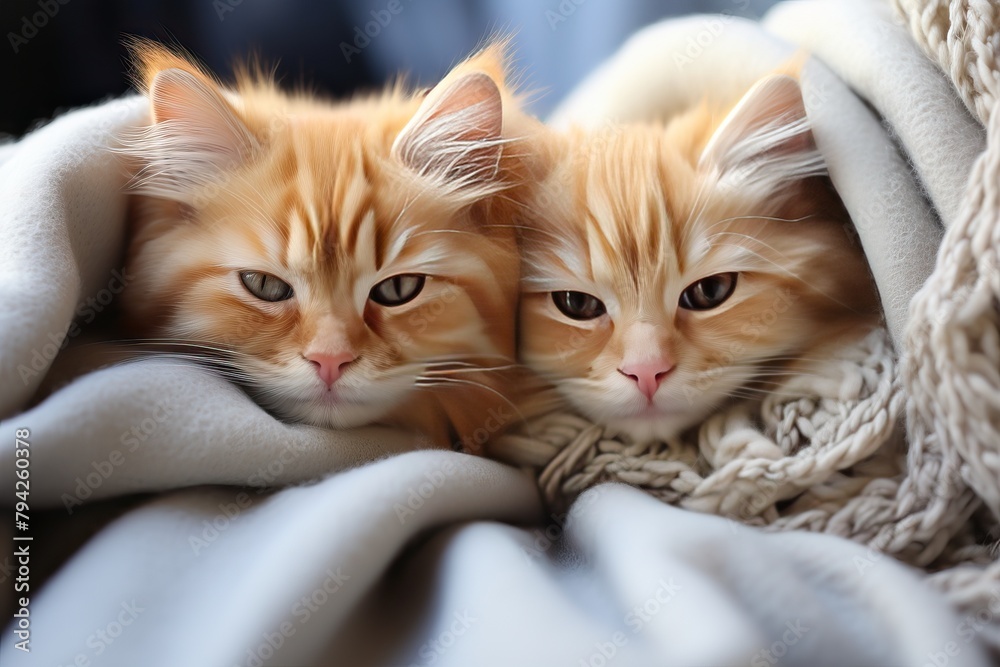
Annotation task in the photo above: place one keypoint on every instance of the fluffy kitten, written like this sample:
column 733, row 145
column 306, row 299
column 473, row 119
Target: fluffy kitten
column 345, row 262
column 670, row 268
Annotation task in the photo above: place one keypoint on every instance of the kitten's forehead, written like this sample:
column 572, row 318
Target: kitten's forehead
column 336, row 211
column 331, row 206
column 632, row 224
column 331, row 219
column 636, row 220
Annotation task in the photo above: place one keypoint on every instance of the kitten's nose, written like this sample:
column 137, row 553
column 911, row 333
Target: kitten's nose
column 330, row 366
column 648, row 375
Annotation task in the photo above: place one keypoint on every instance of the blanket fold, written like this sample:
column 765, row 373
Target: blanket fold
column 374, row 554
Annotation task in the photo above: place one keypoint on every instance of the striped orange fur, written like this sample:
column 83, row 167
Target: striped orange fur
column 646, row 218
column 333, row 200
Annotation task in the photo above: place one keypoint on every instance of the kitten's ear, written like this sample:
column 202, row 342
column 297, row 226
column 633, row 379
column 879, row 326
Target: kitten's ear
column 196, row 134
column 208, row 128
column 765, row 143
column 455, row 136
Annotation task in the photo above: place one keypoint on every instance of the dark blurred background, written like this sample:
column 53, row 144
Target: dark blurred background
column 58, row 54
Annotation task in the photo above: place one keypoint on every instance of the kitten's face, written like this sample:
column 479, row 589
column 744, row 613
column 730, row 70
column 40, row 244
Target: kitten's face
column 320, row 268
column 655, row 290
column 338, row 279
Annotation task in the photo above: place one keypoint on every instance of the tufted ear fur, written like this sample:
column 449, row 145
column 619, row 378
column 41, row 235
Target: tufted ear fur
column 196, row 132
column 765, row 143
column 454, row 138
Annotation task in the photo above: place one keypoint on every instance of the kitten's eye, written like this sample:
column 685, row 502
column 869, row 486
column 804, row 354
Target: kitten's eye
column 578, row 305
column 397, row 290
column 709, row 293
column 266, row 287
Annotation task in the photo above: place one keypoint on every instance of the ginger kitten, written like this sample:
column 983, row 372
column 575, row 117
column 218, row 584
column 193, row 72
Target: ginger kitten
column 669, row 269
column 344, row 262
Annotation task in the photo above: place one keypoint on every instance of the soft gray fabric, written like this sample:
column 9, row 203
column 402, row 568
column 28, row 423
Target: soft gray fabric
column 899, row 232
column 864, row 43
column 630, row 577
column 426, row 557
column 163, row 424
column 62, row 227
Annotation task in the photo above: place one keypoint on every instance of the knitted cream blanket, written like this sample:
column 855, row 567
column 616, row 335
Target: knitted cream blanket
column 897, row 444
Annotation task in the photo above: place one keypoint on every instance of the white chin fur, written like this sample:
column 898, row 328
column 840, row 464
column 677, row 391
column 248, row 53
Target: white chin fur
column 343, row 415
column 301, row 399
column 616, row 409
column 650, row 429
column 619, row 418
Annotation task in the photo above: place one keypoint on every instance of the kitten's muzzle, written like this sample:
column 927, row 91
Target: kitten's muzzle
column 330, row 367
column 647, row 375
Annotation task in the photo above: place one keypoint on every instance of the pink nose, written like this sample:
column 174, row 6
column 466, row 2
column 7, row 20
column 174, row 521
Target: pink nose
column 330, row 366
column 647, row 375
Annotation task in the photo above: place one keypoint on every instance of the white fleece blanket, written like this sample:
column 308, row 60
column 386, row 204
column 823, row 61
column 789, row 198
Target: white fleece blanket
column 388, row 557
